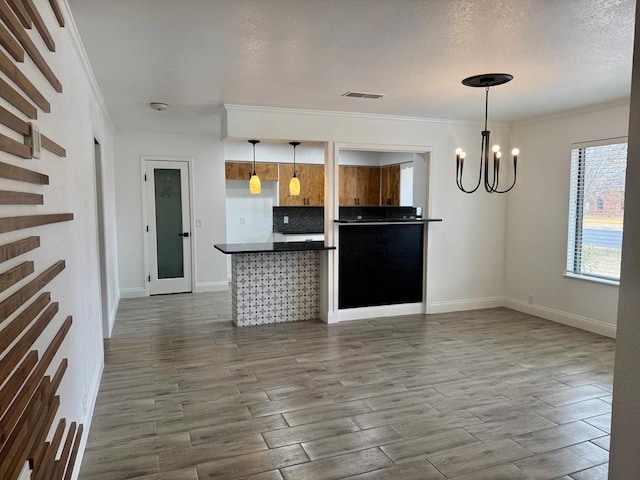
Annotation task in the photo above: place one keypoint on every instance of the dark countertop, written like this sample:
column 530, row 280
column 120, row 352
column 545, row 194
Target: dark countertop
column 388, row 220
column 272, row 247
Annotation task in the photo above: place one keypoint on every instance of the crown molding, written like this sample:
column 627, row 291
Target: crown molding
column 363, row 116
column 597, row 107
column 74, row 35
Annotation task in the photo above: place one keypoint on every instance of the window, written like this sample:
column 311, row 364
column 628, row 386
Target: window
column 596, row 208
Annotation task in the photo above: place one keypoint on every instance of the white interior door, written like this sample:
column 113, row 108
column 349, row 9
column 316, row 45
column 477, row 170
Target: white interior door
column 169, row 226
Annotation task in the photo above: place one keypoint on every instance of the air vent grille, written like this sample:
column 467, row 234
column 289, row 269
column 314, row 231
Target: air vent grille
column 373, row 96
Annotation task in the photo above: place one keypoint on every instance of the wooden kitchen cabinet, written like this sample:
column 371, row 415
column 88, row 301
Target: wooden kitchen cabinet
column 311, row 185
column 243, row 171
column 359, row 185
column 390, row 185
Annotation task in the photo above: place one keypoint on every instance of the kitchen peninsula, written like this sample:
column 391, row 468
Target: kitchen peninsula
column 274, row 282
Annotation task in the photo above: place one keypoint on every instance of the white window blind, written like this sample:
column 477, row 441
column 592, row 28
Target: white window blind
column 596, row 208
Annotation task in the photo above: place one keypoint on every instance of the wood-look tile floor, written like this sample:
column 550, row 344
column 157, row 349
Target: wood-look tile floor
column 488, row 394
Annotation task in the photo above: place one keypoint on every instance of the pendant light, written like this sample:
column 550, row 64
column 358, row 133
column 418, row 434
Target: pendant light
column 491, row 174
column 294, row 184
column 254, row 183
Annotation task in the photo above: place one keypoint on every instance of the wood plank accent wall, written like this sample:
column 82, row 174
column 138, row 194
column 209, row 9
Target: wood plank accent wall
column 29, row 404
column 22, row 174
column 10, row 44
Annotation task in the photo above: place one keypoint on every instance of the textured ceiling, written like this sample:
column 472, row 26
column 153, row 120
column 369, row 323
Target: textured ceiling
column 197, row 54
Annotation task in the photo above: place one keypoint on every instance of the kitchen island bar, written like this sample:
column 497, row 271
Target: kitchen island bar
column 274, row 282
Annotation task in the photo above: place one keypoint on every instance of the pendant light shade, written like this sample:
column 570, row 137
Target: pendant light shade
column 294, row 184
column 254, row 183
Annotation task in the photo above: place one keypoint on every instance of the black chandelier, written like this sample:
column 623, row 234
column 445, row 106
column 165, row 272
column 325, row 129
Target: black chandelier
column 486, row 80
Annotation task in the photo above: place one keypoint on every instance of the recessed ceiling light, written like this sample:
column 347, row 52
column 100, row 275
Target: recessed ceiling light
column 374, row 96
column 158, row 106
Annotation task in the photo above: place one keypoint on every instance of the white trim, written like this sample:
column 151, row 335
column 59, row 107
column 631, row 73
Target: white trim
column 135, row 292
column 92, row 397
column 566, row 318
column 466, row 304
column 588, row 278
column 83, row 58
column 347, row 314
column 622, row 102
column 211, row 287
column 332, row 113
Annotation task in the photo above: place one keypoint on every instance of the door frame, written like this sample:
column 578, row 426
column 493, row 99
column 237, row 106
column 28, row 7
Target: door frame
column 143, row 226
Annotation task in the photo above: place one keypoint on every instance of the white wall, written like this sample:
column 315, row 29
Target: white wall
column 250, row 217
column 537, row 221
column 624, row 461
column 76, row 116
column 209, row 204
column 466, row 251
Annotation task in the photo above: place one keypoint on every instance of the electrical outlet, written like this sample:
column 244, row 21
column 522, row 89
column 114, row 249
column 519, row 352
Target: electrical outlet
column 286, row 219
column 243, row 220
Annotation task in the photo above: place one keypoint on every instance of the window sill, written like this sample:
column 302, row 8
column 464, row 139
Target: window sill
column 587, row 278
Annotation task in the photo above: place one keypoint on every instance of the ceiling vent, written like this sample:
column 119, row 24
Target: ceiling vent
column 374, row 96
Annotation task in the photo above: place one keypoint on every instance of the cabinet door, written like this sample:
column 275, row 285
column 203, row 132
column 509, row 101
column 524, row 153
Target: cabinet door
column 390, row 188
column 368, row 186
column 285, row 174
column 348, row 179
column 312, row 184
column 243, row 171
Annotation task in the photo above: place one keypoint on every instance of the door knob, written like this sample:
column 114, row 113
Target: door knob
column 185, row 234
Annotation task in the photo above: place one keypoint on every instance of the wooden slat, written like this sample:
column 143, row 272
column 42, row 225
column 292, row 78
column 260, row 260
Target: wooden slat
column 22, row 174
column 13, row 147
column 52, row 146
column 22, row 321
column 14, row 275
column 10, row 45
column 10, row 20
column 34, row 384
column 45, row 456
column 20, row 198
column 66, row 452
column 21, row 12
column 42, row 426
column 14, row 356
column 14, row 122
column 40, row 25
column 11, row 388
column 57, row 12
column 22, row 296
column 10, row 224
column 14, row 74
column 17, row 248
column 74, row 454
column 12, row 96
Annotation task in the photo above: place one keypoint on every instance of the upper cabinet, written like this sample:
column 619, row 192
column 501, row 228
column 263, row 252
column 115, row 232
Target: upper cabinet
column 359, row 185
column 311, row 184
column 390, row 185
column 243, row 171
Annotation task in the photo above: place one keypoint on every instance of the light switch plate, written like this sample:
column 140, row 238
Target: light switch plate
column 198, row 222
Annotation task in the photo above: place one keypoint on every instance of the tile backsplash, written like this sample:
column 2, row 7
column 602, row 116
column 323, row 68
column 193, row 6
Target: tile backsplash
column 298, row 219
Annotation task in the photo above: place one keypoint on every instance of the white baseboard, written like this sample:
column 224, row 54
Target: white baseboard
column 380, row 311
column 583, row 323
column 92, row 396
column 211, row 287
column 466, row 304
column 135, row 292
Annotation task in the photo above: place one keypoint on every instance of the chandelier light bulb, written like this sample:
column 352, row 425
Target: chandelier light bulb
column 515, row 152
column 496, row 148
column 463, row 154
column 458, row 151
column 498, row 154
